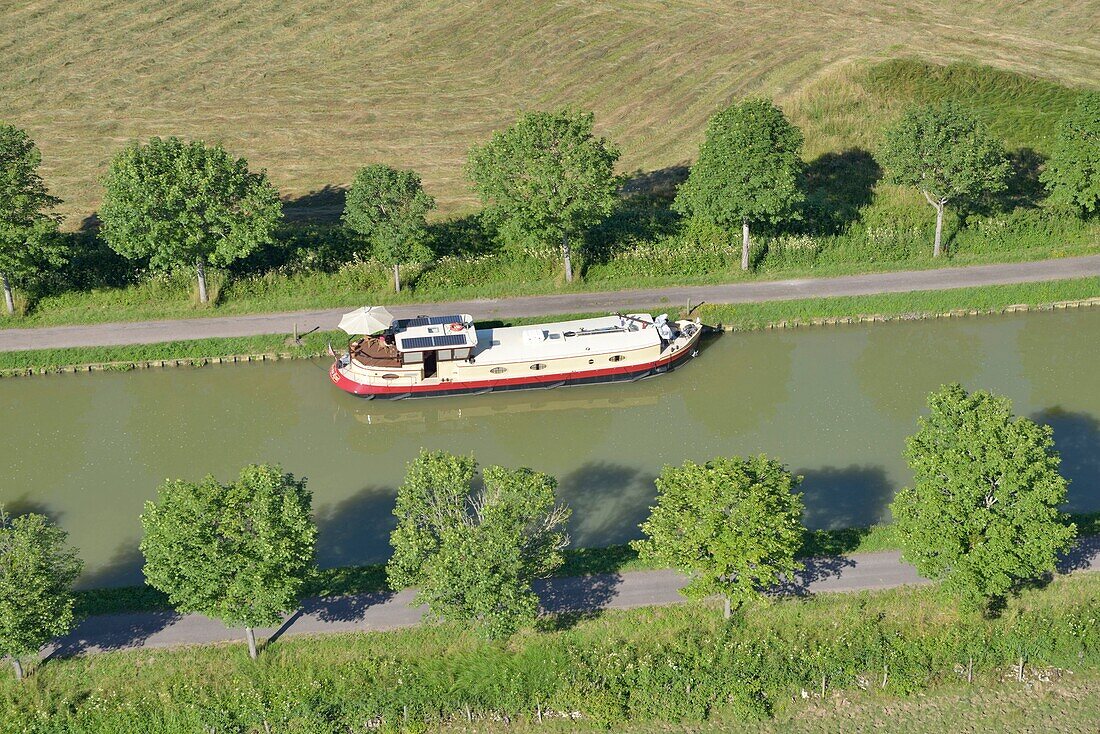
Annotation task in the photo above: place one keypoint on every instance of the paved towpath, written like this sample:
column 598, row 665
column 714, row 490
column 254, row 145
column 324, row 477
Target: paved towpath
column 383, row 611
column 146, row 332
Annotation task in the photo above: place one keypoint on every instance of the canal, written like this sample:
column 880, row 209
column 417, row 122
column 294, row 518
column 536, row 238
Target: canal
column 834, row 403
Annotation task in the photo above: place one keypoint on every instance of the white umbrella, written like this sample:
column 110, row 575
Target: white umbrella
column 366, row 320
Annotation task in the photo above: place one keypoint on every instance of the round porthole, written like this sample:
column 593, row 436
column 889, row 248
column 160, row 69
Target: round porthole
column 499, row 370
column 538, row 366
column 616, row 358
column 390, row 376
column 591, row 361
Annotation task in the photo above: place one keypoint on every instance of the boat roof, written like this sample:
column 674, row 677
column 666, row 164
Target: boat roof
column 602, row 335
column 426, row 333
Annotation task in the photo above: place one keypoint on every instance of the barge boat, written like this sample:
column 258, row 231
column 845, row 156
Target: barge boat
column 431, row 356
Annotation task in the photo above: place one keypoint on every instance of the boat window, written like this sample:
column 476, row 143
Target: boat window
column 538, row 366
column 446, row 354
column 414, row 357
column 462, row 354
column 499, row 370
column 390, row 376
column 616, row 358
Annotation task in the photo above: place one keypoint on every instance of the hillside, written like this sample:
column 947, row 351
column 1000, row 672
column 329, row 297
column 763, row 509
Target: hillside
column 311, row 93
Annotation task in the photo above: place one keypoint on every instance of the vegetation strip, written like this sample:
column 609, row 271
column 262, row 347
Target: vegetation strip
column 669, row 664
column 741, row 317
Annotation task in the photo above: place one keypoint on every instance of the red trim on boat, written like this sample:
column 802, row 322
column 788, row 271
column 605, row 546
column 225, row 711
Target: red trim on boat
column 358, row 388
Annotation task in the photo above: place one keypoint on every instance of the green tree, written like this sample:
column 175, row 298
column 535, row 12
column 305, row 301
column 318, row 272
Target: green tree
column 733, row 525
column 747, row 172
column 388, row 208
column 27, row 228
column 1072, row 174
column 474, row 554
column 37, row 573
column 948, row 154
column 237, row 552
column 983, row 511
column 186, row 204
column 547, row 179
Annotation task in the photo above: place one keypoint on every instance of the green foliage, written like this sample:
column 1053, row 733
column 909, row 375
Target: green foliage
column 983, row 512
column 177, row 203
column 37, row 572
column 238, row 552
column 474, row 555
column 748, row 168
column 1072, row 173
column 734, row 525
column 546, row 179
column 387, row 207
column 28, row 232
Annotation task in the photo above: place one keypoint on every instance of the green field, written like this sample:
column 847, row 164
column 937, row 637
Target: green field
column 671, row 668
column 312, row 93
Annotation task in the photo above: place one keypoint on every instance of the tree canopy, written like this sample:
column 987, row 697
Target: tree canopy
column 238, row 552
column 27, row 227
column 37, row 572
column 747, row 172
column 186, row 204
column 388, row 207
column 733, row 525
column 983, row 512
column 547, row 179
column 1072, row 173
column 474, row 554
column 948, row 154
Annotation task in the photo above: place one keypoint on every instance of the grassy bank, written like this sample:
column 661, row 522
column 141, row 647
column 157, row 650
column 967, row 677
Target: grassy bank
column 676, row 665
column 578, row 562
column 740, row 317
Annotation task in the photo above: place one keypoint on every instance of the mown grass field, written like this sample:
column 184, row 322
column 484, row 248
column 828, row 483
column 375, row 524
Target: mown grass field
column 310, row 92
column 677, row 668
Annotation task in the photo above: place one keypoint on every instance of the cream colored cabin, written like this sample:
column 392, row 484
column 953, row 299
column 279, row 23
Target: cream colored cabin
column 439, row 353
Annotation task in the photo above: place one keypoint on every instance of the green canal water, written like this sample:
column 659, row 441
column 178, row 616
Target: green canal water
column 834, row 403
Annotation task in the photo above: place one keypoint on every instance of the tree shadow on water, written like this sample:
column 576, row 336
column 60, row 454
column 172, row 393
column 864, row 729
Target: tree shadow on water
column 356, row 530
column 608, row 500
column 1077, row 439
column 124, row 569
column 852, row 496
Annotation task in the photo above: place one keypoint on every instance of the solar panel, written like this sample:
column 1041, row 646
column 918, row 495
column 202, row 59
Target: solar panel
column 430, row 342
column 426, row 321
column 417, row 342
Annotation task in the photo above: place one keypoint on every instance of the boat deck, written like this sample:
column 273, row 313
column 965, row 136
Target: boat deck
column 372, row 352
column 564, row 339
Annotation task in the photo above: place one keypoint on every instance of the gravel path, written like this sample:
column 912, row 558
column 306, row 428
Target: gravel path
column 147, row 332
column 384, row 611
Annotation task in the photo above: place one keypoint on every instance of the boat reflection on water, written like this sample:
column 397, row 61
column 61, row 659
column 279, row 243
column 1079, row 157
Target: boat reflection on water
column 452, row 412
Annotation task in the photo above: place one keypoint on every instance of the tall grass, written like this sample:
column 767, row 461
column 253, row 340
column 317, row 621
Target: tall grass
column 675, row 664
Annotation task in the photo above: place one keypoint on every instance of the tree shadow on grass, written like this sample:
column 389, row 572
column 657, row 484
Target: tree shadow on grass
column 324, row 205
column 642, row 213
column 837, row 186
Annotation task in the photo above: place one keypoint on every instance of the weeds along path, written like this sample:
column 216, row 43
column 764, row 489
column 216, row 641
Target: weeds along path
column 149, row 332
column 311, row 94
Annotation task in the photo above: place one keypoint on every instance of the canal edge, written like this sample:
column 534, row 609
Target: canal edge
column 131, row 365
